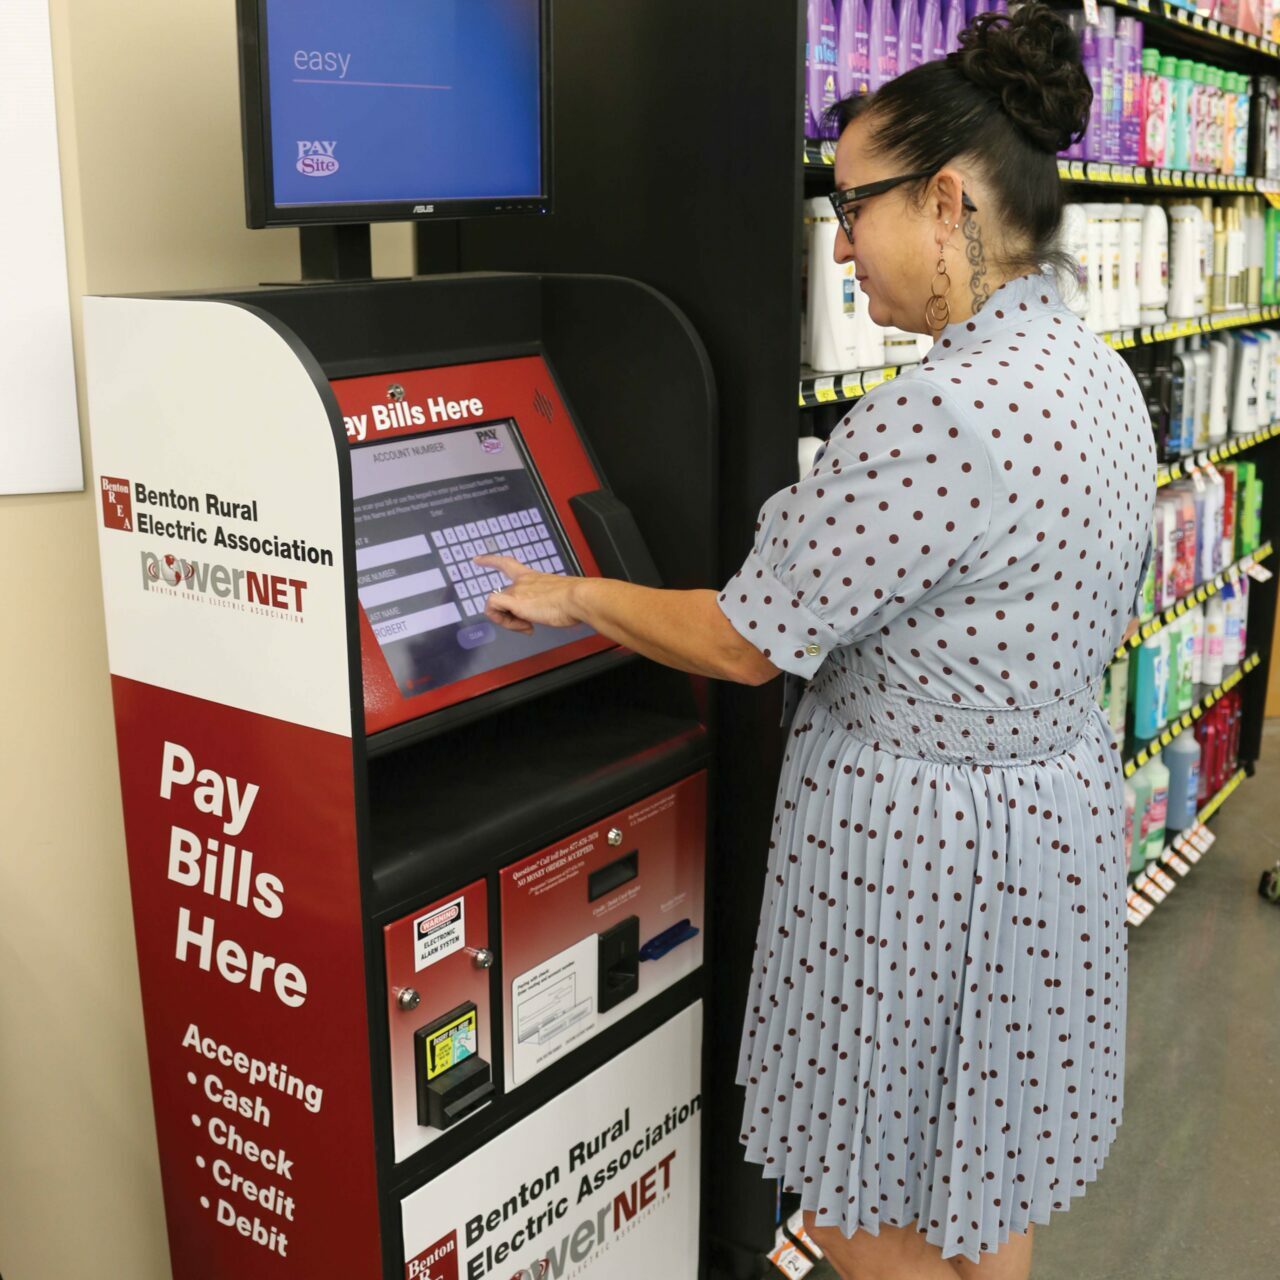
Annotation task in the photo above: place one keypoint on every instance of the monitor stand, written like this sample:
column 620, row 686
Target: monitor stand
column 333, row 254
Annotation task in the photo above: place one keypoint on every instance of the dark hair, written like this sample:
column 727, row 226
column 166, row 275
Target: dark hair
column 1011, row 97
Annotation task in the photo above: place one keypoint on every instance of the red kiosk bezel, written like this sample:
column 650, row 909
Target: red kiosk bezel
column 524, row 391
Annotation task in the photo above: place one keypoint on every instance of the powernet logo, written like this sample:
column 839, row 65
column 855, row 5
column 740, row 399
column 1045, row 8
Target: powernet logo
column 222, row 586
column 316, row 159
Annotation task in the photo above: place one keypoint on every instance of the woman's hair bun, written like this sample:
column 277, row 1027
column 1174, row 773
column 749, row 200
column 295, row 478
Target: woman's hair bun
column 1030, row 60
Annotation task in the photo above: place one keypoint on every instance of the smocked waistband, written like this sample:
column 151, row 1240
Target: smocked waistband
column 923, row 729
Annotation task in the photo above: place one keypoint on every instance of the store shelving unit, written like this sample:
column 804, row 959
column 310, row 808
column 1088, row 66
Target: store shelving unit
column 1233, row 573
column 1219, row 453
column 1158, row 879
column 1208, row 31
column 834, row 388
column 1184, row 722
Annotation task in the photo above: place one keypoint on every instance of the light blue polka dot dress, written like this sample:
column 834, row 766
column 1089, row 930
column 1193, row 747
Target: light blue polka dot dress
column 935, row 1025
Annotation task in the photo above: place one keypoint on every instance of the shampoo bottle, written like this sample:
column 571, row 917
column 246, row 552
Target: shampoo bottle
column 883, row 42
column 1182, row 758
column 853, row 67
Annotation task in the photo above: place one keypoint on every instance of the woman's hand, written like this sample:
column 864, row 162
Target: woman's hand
column 533, row 598
column 686, row 630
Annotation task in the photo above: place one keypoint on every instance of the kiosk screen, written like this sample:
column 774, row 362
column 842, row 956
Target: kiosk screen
column 425, row 506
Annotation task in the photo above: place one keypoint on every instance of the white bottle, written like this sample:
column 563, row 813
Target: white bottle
column 834, row 296
column 1110, row 267
column 1094, row 316
column 1197, row 620
column 1130, row 306
column 1242, row 591
column 1154, row 266
column 900, row 347
column 1220, row 390
column 1204, row 294
column 1236, row 283
column 1218, row 491
column 1215, row 623
column 1074, row 239
column 1268, row 346
column 1230, row 627
column 1185, row 254
column 1244, row 407
column 1203, row 376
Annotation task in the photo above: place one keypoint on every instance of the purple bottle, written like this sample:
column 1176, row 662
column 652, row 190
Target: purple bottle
column 853, row 64
column 883, row 43
column 931, row 47
column 910, row 51
column 1090, row 57
column 820, row 64
column 952, row 24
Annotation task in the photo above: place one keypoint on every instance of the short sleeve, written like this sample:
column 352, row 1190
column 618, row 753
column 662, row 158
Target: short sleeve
column 897, row 506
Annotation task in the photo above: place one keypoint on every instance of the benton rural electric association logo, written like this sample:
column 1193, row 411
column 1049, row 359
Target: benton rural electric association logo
column 202, row 576
column 436, row 1262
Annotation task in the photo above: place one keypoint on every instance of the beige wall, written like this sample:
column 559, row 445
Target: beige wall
column 150, row 147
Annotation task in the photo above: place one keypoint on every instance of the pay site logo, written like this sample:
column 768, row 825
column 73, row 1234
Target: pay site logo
column 316, row 159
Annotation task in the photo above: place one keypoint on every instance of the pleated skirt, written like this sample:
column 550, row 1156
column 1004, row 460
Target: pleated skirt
column 934, row 1032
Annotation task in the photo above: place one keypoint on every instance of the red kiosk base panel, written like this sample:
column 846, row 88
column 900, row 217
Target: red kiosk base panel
column 448, row 464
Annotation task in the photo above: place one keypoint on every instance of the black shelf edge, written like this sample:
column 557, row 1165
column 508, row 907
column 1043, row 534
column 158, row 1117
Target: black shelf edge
column 1221, row 453
column 1157, row 622
column 840, row 388
column 1184, row 722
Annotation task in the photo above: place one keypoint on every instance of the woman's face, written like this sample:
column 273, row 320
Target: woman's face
column 894, row 247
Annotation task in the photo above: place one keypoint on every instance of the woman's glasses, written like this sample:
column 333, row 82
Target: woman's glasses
column 842, row 200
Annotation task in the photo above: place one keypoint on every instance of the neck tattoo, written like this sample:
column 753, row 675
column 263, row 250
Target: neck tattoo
column 977, row 257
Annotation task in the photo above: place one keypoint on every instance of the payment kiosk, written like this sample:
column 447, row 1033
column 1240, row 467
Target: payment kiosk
column 419, row 901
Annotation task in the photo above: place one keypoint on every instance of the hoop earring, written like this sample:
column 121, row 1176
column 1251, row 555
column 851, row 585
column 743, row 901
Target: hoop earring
column 937, row 311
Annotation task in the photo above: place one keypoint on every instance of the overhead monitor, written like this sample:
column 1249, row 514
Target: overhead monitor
column 393, row 109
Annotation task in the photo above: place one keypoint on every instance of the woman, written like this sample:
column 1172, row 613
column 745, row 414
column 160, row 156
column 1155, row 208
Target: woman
column 933, row 1053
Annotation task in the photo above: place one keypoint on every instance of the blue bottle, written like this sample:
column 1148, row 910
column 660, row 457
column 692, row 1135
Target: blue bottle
column 1182, row 759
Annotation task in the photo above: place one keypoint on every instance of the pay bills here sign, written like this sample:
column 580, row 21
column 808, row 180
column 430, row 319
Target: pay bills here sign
column 602, row 1182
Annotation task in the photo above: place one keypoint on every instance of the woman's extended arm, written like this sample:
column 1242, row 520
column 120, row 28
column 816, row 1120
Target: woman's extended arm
column 681, row 629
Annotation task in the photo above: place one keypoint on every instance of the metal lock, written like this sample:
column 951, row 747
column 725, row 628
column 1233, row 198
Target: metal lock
column 408, row 999
column 395, row 393
column 482, row 958
column 615, row 837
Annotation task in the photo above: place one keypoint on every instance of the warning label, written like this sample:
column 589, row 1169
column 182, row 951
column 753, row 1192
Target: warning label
column 440, row 934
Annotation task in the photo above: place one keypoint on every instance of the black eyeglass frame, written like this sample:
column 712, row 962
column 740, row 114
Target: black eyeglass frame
column 840, row 200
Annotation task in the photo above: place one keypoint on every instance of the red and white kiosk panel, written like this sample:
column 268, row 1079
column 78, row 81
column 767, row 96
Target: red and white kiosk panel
column 419, row 902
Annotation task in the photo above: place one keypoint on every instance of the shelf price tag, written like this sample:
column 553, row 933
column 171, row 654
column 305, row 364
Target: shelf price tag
column 1163, row 878
column 825, row 390
column 1171, row 859
column 872, row 378
column 1149, row 888
column 851, row 386
column 1140, row 905
column 1260, row 573
column 1187, row 849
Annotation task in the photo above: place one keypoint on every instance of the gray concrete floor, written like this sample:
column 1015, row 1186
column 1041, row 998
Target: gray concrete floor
column 1191, row 1188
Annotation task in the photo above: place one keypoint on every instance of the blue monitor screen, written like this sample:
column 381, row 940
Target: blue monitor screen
column 404, row 100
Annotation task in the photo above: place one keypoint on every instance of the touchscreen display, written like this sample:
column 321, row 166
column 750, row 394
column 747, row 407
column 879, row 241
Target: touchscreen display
column 424, row 507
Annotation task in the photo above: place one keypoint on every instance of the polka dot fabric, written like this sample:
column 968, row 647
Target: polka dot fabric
column 934, row 1033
